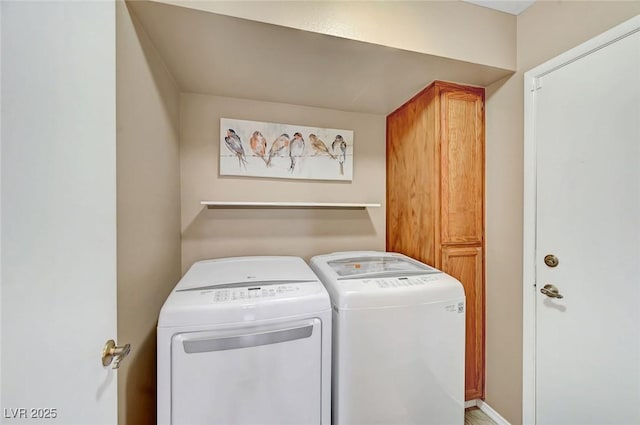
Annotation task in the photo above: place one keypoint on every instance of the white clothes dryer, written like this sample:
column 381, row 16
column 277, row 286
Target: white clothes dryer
column 243, row 341
column 398, row 340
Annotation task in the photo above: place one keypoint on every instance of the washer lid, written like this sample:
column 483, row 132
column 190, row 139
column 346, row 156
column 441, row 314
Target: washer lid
column 370, row 279
column 374, row 266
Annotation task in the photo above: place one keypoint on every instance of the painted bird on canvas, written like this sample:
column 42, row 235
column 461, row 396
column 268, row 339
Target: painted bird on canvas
column 278, row 146
column 258, row 145
column 296, row 149
column 339, row 146
column 234, row 144
column 319, row 146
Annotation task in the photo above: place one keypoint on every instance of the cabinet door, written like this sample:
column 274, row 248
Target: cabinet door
column 462, row 165
column 465, row 264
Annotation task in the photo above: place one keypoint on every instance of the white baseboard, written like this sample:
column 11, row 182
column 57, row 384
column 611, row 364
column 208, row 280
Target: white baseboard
column 471, row 403
column 488, row 410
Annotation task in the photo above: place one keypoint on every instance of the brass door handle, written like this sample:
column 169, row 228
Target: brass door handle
column 551, row 260
column 551, row 291
column 115, row 354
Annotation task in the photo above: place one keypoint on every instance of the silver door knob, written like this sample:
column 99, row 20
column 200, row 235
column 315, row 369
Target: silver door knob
column 112, row 353
column 551, row 291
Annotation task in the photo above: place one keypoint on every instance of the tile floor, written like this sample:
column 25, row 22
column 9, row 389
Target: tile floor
column 475, row 416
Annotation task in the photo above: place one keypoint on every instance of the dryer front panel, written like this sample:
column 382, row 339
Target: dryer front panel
column 248, row 375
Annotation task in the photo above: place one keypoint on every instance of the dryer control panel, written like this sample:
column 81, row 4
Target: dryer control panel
column 250, row 293
column 256, row 290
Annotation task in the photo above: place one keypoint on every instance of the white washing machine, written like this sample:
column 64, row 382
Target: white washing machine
column 398, row 340
column 245, row 340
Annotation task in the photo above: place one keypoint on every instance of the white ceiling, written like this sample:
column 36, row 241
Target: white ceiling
column 226, row 56
column 514, row 7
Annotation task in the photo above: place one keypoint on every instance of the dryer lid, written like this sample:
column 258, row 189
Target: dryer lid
column 237, row 272
column 244, row 289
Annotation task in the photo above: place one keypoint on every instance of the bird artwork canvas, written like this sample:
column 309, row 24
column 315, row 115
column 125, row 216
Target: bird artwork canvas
column 272, row 150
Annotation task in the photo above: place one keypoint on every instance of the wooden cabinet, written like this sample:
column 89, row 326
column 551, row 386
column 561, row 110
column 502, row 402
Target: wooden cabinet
column 435, row 197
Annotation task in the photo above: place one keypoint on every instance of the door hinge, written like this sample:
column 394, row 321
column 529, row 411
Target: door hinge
column 537, row 84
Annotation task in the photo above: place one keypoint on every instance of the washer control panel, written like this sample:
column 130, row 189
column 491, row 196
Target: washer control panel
column 401, row 282
column 254, row 292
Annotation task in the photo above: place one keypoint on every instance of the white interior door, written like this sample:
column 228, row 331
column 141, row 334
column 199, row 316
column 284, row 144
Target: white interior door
column 58, row 228
column 587, row 135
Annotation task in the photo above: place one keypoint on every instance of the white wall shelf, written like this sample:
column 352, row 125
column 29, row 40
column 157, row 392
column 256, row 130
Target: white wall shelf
column 318, row 205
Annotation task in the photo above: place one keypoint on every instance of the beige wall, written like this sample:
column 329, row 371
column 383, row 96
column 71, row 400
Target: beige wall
column 149, row 221
column 230, row 232
column 451, row 29
column 148, row 210
column 545, row 30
